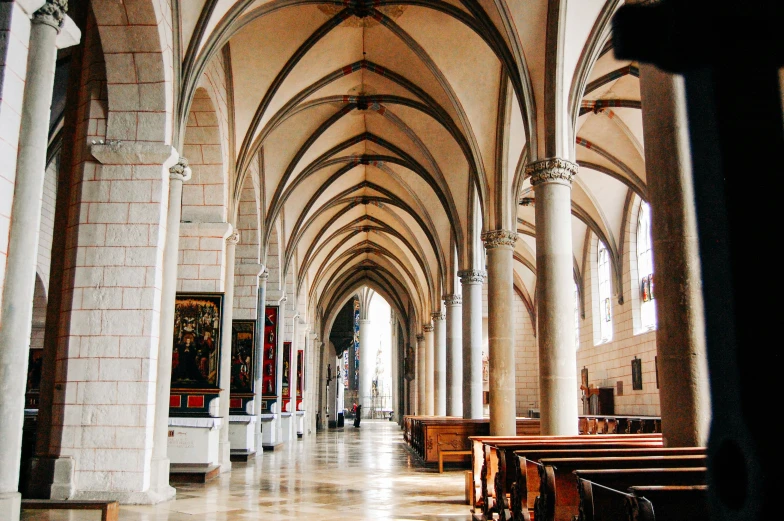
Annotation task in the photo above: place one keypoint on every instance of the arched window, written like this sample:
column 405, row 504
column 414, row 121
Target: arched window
column 645, row 268
column 576, row 317
column 605, row 300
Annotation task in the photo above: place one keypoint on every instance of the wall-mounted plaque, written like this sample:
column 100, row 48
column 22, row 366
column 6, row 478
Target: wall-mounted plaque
column 637, row 374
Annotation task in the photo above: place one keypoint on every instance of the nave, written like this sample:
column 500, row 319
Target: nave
column 364, row 473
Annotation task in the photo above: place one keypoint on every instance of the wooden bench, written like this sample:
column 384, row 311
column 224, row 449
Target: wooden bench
column 525, row 469
column 450, row 452
column 670, row 503
column 601, row 491
column 558, row 496
column 493, row 476
column 109, row 509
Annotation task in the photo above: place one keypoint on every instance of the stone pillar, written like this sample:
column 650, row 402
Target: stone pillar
column 224, row 448
column 430, row 401
column 19, row 283
column 397, row 363
column 680, row 330
column 420, row 376
column 472, row 281
column 367, row 366
column 454, row 355
column 500, row 319
column 159, row 478
column 293, row 375
column 552, row 182
column 259, row 377
column 439, row 340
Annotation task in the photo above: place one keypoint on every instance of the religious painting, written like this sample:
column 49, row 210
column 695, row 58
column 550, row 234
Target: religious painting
column 646, row 288
column 269, row 352
column 300, row 372
column 637, row 374
column 34, row 363
column 584, row 378
column 286, row 368
column 196, row 352
column 355, row 385
column 243, row 340
column 410, row 367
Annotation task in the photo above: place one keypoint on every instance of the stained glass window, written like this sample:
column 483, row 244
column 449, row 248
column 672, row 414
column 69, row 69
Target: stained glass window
column 605, row 299
column 645, row 268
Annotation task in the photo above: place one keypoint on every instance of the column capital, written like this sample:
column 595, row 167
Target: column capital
column 499, row 239
column 264, row 275
column 420, row 338
column 472, row 276
column 51, row 13
column 233, row 238
column 180, row 171
column 437, row 315
column 453, row 300
column 428, row 328
column 551, row 170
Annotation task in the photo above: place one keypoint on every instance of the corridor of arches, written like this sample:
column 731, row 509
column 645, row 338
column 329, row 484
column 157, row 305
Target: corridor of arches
column 201, row 200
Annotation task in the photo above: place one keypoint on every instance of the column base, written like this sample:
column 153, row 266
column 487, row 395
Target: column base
column 47, row 477
column 11, row 504
column 224, row 452
column 160, row 489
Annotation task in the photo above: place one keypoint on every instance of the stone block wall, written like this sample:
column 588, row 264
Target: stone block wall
column 526, row 360
column 202, row 257
column 611, row 362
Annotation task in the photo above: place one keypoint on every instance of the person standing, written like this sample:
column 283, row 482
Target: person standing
column 357, row 415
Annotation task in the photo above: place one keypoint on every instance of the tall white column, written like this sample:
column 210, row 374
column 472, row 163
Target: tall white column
column 293, row 375
column 17, row 304
column 500, row 319
column 439, row 341
column 367, row 366
column 421, row 367
column 552, row 182
column 430, row 399
column 454, row 355
column 159, row 479
column 224, row 448
column 397, row 360
column 471, row 281
column 258, row 387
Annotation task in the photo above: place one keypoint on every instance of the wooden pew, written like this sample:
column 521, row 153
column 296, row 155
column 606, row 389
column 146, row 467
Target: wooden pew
column 667, row 503
column 601, row 491
column 493, row 485
column 525, row 469
column 109, row 509
column 558, row 496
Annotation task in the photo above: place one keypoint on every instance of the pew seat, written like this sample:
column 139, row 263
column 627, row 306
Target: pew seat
column 109, row 509
column 667, row 503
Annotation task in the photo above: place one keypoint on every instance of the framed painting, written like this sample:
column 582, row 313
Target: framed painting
column 196, row 352
column 270, row 353
column 636, row 374
column 243, row 340
column 584, row 378
column 286, row 369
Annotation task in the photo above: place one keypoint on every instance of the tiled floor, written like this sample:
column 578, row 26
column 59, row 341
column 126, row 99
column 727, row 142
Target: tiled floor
column 357, row 474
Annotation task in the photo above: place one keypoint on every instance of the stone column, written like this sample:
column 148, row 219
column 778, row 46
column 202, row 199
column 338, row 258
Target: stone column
column 680, row 331
column 224, row 448
column 259, row 377
column 500, row 319
column 454, row 355
column 17, row 303
column 293, row 375
column 159, row 479
column 420, row 376
column 552, row 182
column 397, row 360
column 439, row 340
column 471, row 281
column 430, row 402
column 367, row 366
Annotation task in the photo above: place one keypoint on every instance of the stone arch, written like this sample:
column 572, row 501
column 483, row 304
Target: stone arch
column 137, row 45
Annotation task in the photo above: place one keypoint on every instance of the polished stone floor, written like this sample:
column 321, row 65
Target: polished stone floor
column 357, row 474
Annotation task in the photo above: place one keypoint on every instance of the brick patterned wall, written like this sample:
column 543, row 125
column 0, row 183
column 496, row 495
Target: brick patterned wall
column 14, row 38
column 202, row 256
column 526, row 360
column 610, row 362
column 247, row 269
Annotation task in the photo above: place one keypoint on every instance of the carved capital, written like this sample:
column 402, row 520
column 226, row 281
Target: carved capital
column 499, row 239
column 264, row 275
column 428, row 328
column 233, row 238
column 453, row 300
column 472, row 276
column 180, row 171
column 437, row 316
column 52, row 13
column 551, row 170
